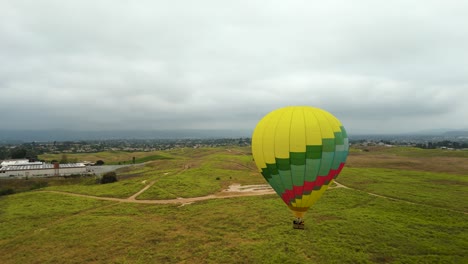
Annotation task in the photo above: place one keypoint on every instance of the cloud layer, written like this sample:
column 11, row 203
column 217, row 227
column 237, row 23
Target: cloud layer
column 379, row 66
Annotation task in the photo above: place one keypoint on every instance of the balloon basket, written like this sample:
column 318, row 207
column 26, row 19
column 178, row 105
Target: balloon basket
column 298, row 223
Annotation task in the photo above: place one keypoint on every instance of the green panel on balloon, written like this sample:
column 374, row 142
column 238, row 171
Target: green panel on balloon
column 266, row 173
column 276, row 184
column 340, row 157
column 275, row 179
column 313, row 152
column 272, row 169
column 297, row 158
column 292, row 169
column 297, row 173
column 325, row 166
column 312, row 169
column 285, row 177
column 336, row 161
column 283, row 164
column 339, row 138
column 328, row 144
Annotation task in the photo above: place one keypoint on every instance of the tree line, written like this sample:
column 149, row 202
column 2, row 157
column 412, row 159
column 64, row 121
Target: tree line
column 19, row 152
column 441, row 144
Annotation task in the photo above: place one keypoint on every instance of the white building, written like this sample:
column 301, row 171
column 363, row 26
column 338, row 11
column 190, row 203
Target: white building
column 41, row 169
column 14, row 162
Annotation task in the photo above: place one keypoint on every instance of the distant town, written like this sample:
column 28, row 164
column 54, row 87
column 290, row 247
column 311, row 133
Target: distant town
column 31, row 150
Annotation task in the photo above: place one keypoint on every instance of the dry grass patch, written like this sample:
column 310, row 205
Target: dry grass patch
column 454, row 165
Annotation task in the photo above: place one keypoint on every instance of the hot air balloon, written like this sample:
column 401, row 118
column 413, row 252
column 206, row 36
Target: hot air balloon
column 299, row 150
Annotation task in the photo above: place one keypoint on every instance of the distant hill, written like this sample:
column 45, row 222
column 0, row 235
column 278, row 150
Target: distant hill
column 19, row 136
column 428, row 132
column 69, row 135
column 456, row 134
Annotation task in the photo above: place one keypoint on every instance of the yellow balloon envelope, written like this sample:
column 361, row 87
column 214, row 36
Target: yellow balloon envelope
column 299, row 150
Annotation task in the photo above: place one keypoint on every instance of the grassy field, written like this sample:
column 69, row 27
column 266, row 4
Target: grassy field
column 427, row 223
column 431, row 160
column 436, row 189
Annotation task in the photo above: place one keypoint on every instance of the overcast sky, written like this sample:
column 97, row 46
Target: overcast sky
column 379, row 66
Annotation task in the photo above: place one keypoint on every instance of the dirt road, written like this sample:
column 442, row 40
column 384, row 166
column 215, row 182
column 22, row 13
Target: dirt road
column 234, row 190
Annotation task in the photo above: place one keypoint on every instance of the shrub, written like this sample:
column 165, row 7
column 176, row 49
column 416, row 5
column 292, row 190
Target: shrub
column 39, row 185
column 109, row 177
column 6, row 191
column 64, row 159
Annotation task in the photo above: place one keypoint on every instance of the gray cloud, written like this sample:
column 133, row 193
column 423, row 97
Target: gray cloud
column 379, row 66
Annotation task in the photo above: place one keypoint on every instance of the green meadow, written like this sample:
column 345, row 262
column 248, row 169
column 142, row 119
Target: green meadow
column 400, row 206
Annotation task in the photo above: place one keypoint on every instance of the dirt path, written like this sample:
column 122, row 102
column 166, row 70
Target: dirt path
column 234, row 190
column 133, row 197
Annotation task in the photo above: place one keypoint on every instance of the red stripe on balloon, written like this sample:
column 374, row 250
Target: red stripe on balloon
column 297, row 190
column 285, row 199
column 286, row 196
column 308, row 185
column 289, row 195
